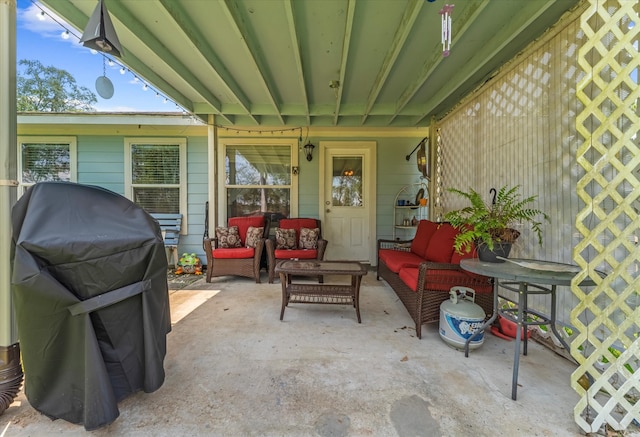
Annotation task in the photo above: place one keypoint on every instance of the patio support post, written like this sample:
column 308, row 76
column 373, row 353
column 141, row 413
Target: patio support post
column 212, row 156
column 10, row 368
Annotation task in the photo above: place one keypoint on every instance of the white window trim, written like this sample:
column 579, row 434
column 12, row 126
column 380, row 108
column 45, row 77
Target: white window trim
column 128, row 186
column 222, row 153
column 73, row 155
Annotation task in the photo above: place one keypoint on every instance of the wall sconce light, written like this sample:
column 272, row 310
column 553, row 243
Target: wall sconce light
column 295, row 170
column 99, row 34
column 308, row 150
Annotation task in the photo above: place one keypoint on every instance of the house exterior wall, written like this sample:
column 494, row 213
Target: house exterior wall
column 101, row 148
column 101, row 163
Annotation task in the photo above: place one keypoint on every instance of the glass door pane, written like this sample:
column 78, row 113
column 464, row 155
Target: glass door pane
column 346, row 184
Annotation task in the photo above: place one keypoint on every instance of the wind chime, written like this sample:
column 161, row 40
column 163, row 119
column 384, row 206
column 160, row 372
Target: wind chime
column 445, row 12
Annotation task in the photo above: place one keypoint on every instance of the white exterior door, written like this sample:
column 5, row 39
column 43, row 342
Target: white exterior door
column 347, row 199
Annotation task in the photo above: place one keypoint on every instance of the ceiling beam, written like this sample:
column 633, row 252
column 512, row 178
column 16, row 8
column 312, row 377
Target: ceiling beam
column 346, row 42
column 295, row 46
column 78, row 19
column 491, row 49
column 245, row 34
column 154, row 45
column 431, row 64
column 409, row 17
column 177, row 13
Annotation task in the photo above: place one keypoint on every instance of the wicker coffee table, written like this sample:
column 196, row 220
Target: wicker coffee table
column 340, row 294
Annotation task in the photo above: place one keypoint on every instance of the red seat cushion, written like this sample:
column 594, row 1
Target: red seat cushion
column 441, row 280
column 295, row 253
column 425, row 231
column 233, row 253
column 243, row 224
column 440, row 246
column 396, row 259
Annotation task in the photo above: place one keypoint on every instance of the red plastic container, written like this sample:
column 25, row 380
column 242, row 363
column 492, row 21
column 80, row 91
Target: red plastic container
column 509, row 328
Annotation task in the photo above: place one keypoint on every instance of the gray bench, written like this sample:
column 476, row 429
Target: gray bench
column 170, row 225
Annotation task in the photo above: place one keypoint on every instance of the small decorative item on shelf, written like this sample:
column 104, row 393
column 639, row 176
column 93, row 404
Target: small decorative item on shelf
column 419, row 196
column 408, row 203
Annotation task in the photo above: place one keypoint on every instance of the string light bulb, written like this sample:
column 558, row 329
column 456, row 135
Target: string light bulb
column 66, row 34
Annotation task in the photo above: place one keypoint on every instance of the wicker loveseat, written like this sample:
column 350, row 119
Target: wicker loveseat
column 243, row 260
column 275, row 253
column 423, row 270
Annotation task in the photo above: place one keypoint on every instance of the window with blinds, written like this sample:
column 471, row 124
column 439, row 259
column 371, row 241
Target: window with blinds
column 46, row 159
column 156, row 174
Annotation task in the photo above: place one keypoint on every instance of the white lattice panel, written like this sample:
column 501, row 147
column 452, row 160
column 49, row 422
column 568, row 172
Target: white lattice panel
column 608, row 316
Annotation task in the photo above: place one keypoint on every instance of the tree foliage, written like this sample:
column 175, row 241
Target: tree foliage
column 49, row 89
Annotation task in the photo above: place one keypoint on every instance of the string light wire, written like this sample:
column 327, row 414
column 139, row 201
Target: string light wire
column 112, row 62
column 145, row 86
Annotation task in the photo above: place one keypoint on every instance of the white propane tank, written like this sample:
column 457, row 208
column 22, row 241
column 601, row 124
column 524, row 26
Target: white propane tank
column 460, row 318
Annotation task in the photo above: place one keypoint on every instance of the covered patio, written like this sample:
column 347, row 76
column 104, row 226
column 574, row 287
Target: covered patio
column 545, row 99
column 233, row 368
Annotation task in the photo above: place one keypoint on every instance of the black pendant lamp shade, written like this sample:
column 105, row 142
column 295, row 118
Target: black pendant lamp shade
column 99, row 33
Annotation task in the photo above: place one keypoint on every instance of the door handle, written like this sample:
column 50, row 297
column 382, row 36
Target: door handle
column 328, row 210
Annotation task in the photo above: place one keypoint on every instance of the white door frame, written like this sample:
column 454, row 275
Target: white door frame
column 370, row 178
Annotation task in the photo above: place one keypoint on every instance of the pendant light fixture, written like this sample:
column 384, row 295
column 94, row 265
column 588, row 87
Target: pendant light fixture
column 308, row 150
column 99, row 34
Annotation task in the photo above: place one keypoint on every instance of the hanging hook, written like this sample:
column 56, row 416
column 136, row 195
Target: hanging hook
column 493, row 190
column 416, row 148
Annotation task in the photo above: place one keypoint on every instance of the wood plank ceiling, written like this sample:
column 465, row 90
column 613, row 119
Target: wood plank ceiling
column 317, row 62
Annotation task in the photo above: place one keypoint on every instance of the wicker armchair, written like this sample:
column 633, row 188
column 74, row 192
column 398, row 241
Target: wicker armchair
column 237, row 261
column 274, row 254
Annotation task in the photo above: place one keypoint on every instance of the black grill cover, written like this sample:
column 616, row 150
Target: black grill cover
column 91, row 300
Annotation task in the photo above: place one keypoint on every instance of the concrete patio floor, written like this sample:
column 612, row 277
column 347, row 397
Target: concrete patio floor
column 234, row 369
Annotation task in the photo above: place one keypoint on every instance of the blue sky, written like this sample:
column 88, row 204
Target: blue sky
column 41, row 39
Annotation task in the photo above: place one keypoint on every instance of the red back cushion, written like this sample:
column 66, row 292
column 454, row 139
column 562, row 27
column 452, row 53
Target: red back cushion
column 425, row 231
column 456, row 257
column 243, row 224
column 297, row 223
column 440, row 246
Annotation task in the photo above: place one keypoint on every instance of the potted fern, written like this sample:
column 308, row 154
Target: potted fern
column 490, row 226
